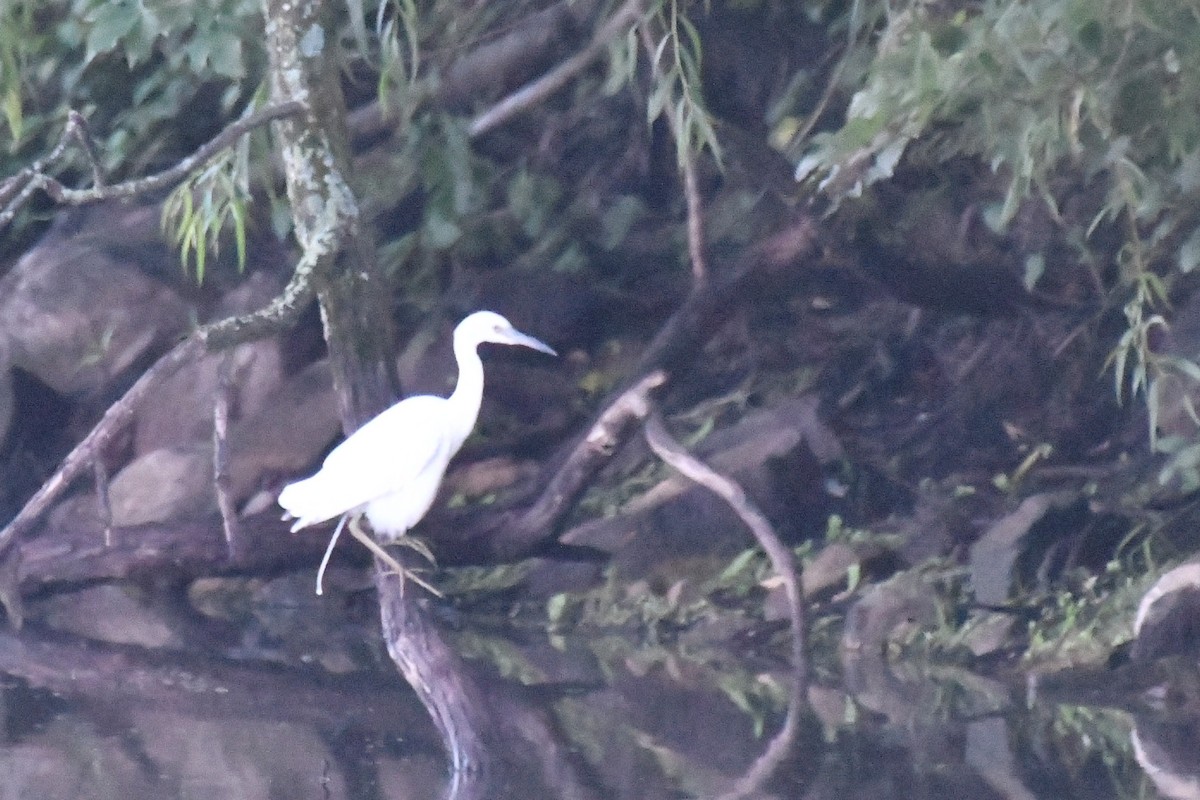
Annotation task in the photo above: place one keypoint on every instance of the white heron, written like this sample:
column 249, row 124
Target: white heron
column 389, row 469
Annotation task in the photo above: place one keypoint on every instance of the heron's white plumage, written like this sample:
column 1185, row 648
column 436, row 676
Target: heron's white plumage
column 391, row 467
column 382, row 457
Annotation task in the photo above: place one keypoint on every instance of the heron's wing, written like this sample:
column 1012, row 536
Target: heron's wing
column 377, row 459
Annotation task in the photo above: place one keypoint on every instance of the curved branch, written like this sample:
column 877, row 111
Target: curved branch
column 17, row 190
column 21, row 183
column 591, row 453
column 782, row 560
column 519, row 531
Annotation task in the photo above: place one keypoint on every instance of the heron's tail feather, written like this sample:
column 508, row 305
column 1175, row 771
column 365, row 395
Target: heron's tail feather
column 309, row 501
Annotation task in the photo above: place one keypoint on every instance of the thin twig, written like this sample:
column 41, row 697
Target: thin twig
column 34, row 177
column 536, row 93
column 78, row 125
column 103, row 498
column 19, row 184
column 691, row 185
column 27, row 186
column 670, row 451
column 695, row 219
column 818, row 111
column 221, row 479
column 85, row 453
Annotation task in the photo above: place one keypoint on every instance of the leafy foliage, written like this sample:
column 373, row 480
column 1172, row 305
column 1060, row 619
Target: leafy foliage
column 1029, row 87
column 676, row 91
column 1054, row 96
column 130, row 66
column 202, row 206
column 399, row 51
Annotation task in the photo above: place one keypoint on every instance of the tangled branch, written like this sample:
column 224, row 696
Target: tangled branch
column 16, row 191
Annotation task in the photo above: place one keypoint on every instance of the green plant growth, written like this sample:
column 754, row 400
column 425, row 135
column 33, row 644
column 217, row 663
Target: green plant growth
column 132, row 68
column 676, row 92
column 1086, row 617
column 1054, row 96
column 206, row 203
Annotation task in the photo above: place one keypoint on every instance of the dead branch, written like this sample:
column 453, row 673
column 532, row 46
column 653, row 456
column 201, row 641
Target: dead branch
column 782, row 560
column 19, row 184
column 17, row 190
column 118, row 415
column 184, row 549
column 103, row 500
column 514, row 533
column 277, row 316
column 537, row 92
column 221, row 478
column 517, row 532
column 602, row 439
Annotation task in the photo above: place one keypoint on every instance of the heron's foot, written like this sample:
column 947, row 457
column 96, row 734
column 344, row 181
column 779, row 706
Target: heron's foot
column 387, row 558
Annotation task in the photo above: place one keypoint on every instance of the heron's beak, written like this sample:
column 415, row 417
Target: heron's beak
column 516, row 337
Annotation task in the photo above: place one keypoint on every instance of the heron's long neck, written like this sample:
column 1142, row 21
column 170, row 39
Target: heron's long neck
column 468, row 392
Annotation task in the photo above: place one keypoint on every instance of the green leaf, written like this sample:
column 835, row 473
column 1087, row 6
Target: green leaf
column 657, row 100
column 1184, row 365
column 197, row 53
column 738, row 565
column 522, row 205
column 1153, row 404
column 1189, row 252
column 111, row 21
column 1035, row 267
column 693, row 51
column 618, row 219
column 13, row 115
column 440, row 232
column 238, row 212
column 556, row 607
column 570, row 260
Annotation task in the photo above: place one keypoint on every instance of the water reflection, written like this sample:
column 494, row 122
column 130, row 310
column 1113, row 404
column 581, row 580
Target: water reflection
column 85, row 720
column 1169, row 752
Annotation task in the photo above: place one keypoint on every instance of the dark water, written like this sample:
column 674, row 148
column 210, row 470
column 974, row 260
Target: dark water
column 624, row 719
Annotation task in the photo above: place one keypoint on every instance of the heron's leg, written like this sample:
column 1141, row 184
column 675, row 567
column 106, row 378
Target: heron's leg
column 329, row 551
column 358, row 533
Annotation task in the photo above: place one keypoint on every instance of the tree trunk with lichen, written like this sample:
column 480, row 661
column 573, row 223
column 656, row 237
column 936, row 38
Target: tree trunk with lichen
column 354, row 303
column 352, row 293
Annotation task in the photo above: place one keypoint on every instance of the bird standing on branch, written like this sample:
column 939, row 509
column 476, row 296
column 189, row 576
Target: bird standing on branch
column 389, row 469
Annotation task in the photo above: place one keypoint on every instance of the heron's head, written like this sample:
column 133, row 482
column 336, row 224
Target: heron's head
column 488, row 326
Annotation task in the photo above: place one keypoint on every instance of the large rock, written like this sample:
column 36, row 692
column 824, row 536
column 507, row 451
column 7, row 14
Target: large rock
column 77, row 318
column 289, row 433
column 293, row 427
column 180, row 411
column 164, row 484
